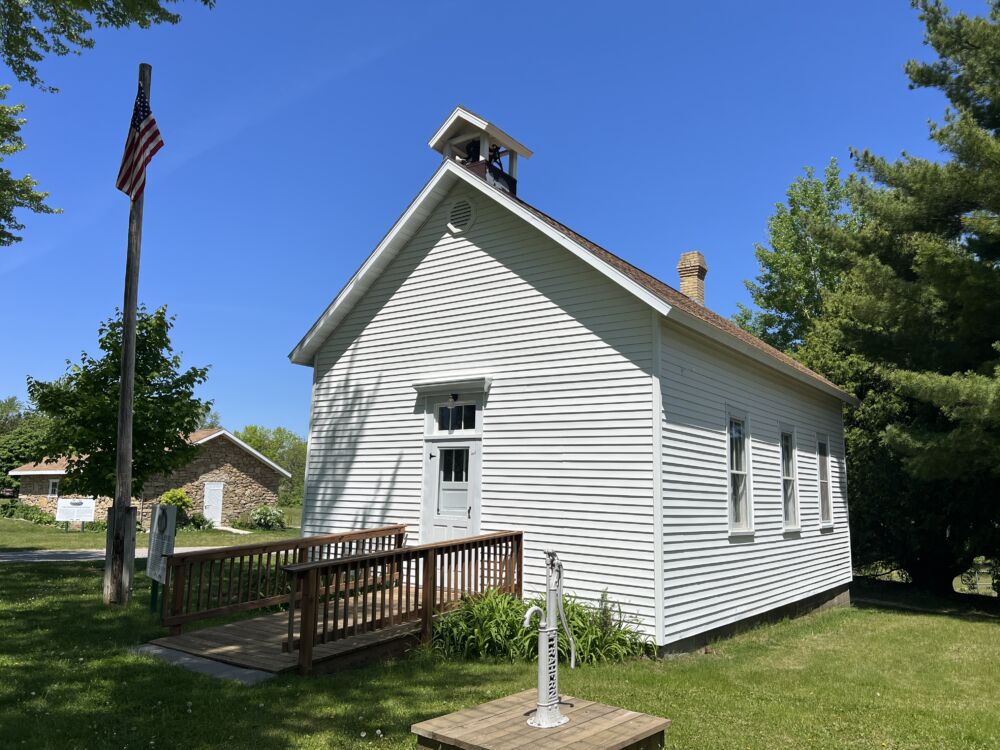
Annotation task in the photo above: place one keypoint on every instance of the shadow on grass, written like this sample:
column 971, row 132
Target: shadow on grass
column 71, row 680
column 867, row 593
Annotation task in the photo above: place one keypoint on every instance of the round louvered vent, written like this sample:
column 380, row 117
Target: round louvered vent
column 461, row 216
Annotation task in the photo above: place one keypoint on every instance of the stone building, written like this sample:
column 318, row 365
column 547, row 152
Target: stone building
column 225, row 479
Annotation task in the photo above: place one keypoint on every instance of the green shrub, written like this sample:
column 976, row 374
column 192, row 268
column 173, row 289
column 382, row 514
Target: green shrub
column 262, row 518
column 198, row 522
column 490, row 626
column 31, row 513
column 180, row 500
column 267, row 517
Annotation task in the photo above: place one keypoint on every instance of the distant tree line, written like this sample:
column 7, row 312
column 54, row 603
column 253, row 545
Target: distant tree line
column 888, row 282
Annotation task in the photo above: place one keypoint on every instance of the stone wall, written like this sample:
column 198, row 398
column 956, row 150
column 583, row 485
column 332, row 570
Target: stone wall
column 248, row 482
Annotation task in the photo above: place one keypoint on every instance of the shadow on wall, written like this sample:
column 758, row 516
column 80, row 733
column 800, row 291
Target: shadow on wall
column 337, row 429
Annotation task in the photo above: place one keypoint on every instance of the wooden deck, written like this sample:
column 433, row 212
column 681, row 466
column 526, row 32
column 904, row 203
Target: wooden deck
column 503, row 725
column 260, row 643
column 257, row 643
column 361, row 595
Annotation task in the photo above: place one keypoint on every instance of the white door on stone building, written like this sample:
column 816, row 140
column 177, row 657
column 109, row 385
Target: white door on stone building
column 213, row 502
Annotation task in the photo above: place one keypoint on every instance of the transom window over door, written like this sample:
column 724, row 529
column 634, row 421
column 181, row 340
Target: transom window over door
column 456, row 417
column 825, row 503
column 739, row 476
column 788, row 489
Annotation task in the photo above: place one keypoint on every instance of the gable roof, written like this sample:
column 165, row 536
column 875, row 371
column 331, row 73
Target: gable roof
column 661, row 297
column 461, row 117
column 57, row 467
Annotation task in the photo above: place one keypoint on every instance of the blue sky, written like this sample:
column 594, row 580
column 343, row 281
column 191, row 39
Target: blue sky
column 296, row 134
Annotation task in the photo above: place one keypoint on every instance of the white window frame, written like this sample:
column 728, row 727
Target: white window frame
column 434, row 403
column 787, row 429
column 54, row 491
column 748, row 529
column 824, row 438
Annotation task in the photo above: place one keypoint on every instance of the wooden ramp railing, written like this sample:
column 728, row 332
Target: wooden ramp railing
column 343, row 598
column 220, row 581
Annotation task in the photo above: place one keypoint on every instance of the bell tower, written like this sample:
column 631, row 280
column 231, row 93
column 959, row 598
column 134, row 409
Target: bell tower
column 482, row 147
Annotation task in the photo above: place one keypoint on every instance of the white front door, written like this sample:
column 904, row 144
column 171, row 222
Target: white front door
column 213, row 502
column 451, row 487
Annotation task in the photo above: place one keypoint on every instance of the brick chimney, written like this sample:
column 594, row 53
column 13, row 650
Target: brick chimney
column 693, row 269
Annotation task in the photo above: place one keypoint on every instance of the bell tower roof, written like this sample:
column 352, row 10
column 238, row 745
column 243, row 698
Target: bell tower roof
column 463, row 125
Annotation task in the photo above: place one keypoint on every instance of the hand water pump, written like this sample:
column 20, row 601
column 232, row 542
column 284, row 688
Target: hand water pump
column 547, row 715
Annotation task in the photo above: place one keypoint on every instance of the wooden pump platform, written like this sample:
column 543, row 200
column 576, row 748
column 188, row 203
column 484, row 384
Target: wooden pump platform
column 503, row 725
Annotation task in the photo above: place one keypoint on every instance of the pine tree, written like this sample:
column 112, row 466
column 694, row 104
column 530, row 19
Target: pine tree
column 917, row 318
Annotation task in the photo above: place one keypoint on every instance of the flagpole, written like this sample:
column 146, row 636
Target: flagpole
column 119, row 561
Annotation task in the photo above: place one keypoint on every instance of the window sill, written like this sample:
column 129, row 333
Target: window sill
column 792, row 530
column 741, row 534
column 827, row 526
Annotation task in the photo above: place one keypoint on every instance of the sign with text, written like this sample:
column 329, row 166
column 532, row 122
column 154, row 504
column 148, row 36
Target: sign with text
column 75, row 509
column 162, row 530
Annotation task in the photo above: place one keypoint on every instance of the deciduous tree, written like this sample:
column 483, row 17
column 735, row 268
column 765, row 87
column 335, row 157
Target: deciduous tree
column 83, row 408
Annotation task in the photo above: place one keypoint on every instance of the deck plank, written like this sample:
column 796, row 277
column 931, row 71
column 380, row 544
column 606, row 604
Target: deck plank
column 257, row 643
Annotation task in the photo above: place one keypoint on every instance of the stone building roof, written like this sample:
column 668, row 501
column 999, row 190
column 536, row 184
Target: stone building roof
column 57, row 466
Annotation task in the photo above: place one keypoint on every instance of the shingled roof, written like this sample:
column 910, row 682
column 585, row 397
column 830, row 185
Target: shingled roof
column 673, row 297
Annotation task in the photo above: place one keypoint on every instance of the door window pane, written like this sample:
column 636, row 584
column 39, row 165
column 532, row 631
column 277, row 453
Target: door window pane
column 453, row 482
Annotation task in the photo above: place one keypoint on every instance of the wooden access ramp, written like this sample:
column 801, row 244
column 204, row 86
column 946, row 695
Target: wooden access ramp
column 348, row 608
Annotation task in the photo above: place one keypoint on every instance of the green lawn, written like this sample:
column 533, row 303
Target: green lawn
column 21, row 535
column 849, row 678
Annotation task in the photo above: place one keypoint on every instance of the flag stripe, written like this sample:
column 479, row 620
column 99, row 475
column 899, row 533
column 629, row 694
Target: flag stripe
column 141, row 145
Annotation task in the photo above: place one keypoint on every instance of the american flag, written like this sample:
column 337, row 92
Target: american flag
column 142, row 143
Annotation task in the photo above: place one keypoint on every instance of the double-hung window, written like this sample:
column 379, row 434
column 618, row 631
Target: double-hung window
column 825, row 502
column 739, row 476
column 789, row 490
column 53, row 488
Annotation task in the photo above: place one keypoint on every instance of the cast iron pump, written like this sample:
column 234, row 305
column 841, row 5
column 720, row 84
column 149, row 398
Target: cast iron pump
column 547, row 715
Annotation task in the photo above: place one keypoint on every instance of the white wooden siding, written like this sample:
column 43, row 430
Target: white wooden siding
column 567, row 427
column 710, row 578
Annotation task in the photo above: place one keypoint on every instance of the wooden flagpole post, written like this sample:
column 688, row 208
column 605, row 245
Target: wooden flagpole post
column 119, row 560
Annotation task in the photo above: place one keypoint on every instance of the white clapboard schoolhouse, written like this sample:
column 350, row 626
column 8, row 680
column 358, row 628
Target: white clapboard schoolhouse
column 488, row 368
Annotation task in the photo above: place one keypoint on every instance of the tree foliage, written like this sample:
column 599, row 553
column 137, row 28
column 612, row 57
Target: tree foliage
column 83, row 408
column 15, row 192
column 805, row 257
column 22, row 436
column 286, row 449
column 32, row 29
column 911, row 322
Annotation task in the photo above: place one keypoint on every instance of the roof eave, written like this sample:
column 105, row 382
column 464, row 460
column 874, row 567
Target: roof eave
column 249, row 449
column 732, row 342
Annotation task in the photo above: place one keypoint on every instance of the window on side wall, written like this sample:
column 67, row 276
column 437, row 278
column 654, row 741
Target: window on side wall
column 739, row 476
column 789, row 483
column 825, row 501
column 53, row 488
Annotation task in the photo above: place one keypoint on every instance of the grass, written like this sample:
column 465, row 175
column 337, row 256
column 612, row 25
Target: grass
column 293, row 515
column 21, row 535
column 854, row 679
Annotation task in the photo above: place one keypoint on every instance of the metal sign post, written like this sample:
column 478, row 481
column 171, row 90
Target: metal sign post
column 547, row 711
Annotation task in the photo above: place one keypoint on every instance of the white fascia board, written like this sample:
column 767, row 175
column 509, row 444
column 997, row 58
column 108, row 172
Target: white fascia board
column 255, row 453
column 732, row 342
column 36, row 472
column 404, row 228
column 460, row 383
